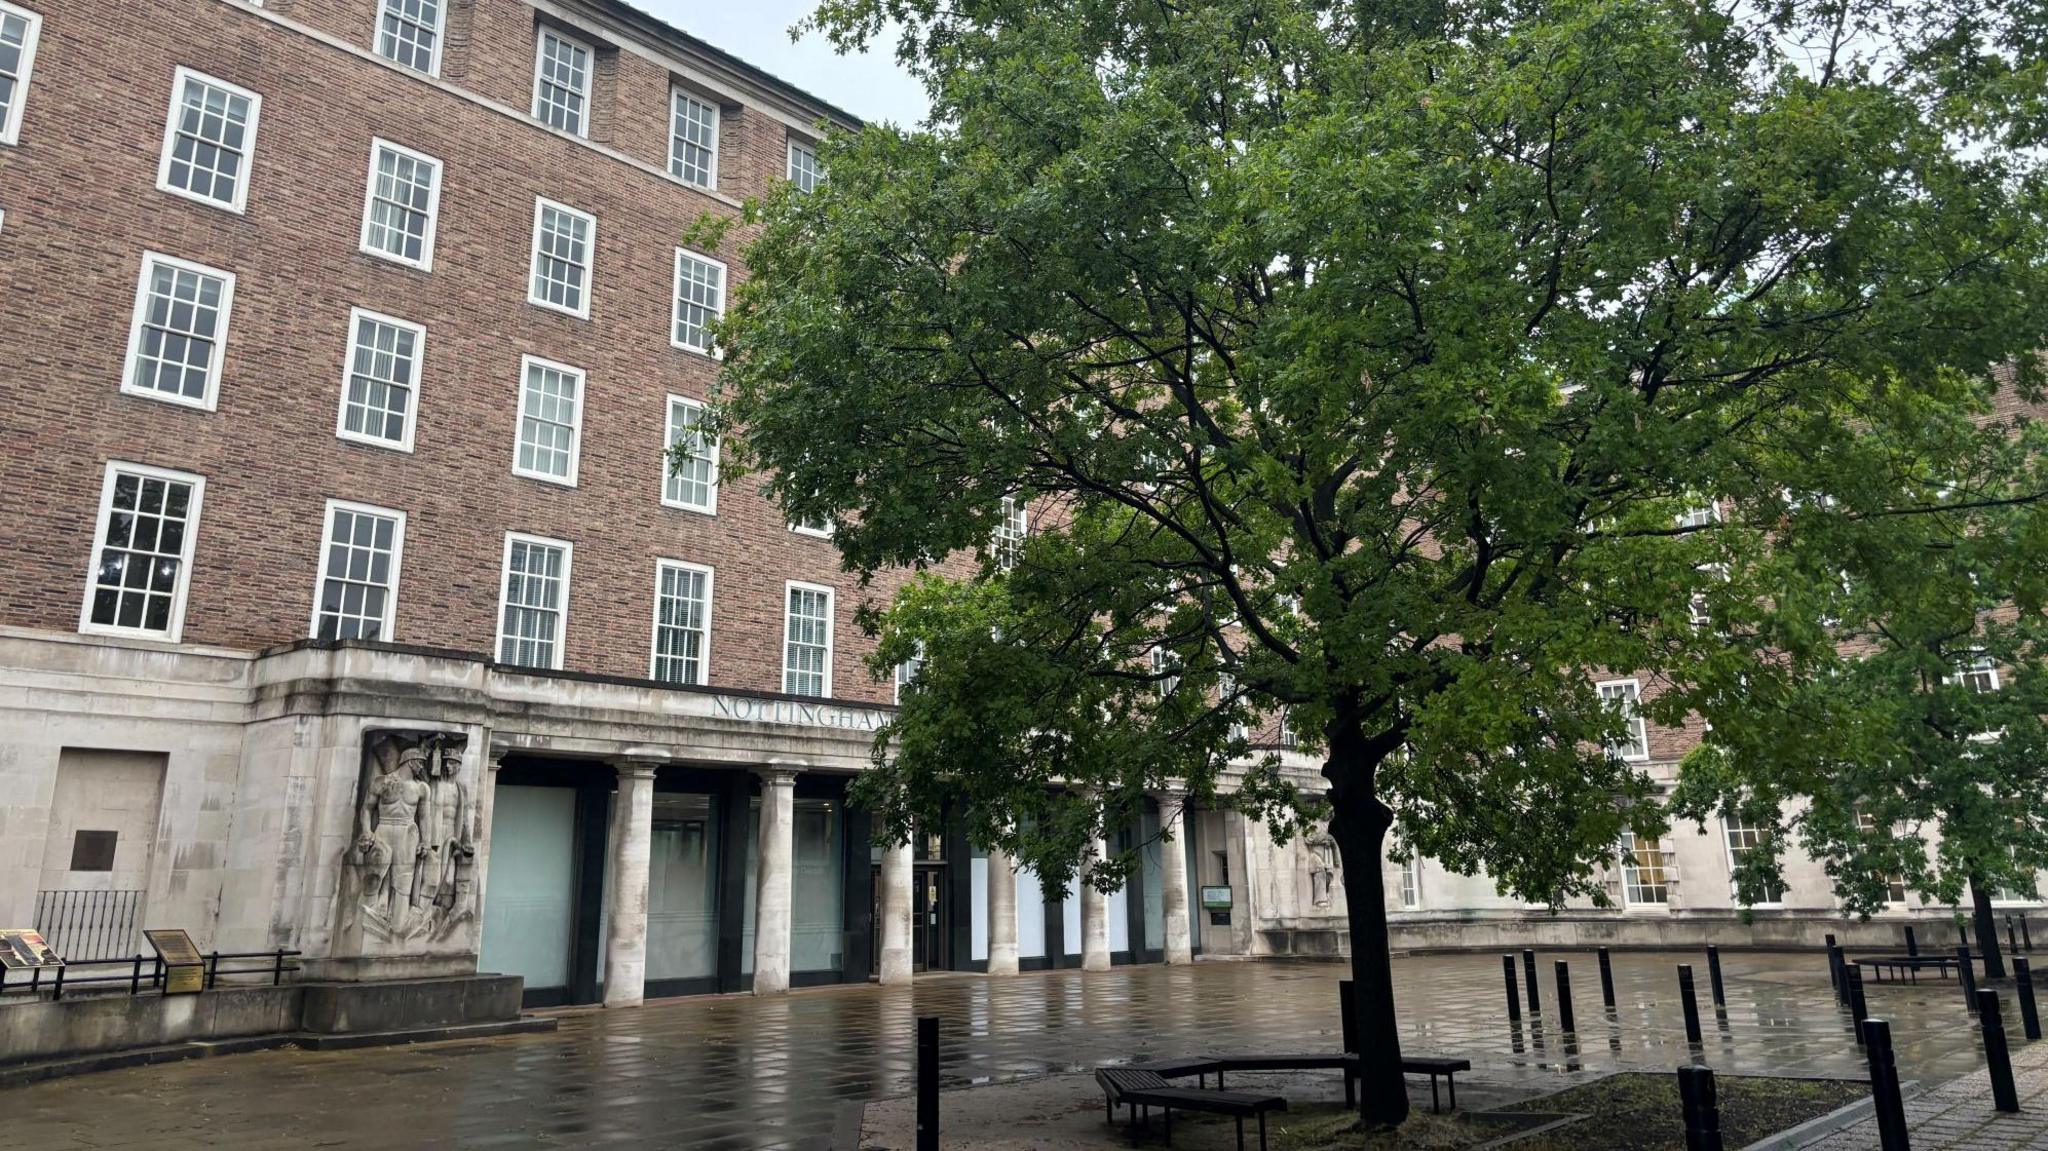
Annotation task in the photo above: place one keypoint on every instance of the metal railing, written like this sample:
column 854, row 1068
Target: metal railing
column 88, row 925
column 139, row 974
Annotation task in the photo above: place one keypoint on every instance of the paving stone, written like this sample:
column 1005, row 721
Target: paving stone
column 745, row 1073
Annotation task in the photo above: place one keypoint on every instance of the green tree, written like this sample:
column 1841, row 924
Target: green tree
column 1365, row 363
column 1913, row 755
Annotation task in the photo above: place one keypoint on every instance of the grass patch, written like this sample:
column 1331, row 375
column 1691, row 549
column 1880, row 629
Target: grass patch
column 1631, row 1111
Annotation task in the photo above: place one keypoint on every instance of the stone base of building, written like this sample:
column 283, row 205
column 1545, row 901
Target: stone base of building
column 1764, row 930
column 79, row 1030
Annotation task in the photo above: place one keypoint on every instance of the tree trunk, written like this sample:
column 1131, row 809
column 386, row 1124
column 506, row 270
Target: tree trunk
column 1359, row 826
column 1987, row 930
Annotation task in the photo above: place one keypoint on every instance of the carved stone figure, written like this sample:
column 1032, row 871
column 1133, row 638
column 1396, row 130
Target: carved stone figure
column 407, row 871
column 1322, row 873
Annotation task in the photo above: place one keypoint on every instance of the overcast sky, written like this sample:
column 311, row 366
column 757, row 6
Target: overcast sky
column 870, row 86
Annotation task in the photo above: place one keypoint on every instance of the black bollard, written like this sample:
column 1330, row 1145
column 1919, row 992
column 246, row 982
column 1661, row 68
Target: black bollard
column 1564, row 998
column 1529, row 970
column 1714, row 976
column 2012, row 938
column 1606, row 980
column 928, row 1083
column 1702, row 1109
column 2026, row 937
column 1967, row 976
column 2023, row 986
column 1912, row 944
column 1834, row 967
column 1885, row 1096
column 1690, row 1002
column 1507, row 971
column 1859, row 1009
column 2004, row 1095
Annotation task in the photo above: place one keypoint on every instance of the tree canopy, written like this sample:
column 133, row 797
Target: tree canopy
column 1372, row 364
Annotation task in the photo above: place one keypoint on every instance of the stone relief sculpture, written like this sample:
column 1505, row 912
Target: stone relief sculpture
column 1322, row 868
column 408, row 874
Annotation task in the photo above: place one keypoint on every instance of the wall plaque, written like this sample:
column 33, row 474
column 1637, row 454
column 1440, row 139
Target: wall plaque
column 184, row 967
column 22, row 950
column 1215, row 898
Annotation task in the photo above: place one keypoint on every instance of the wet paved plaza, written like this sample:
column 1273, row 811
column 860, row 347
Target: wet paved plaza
column 739, row 1072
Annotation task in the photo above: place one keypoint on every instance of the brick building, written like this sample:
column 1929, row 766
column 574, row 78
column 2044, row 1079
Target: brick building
column 349, row 338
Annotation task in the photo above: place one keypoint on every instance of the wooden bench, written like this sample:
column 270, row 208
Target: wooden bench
column 1135, row 1088
column 1908, row 965
column 1448, row 1068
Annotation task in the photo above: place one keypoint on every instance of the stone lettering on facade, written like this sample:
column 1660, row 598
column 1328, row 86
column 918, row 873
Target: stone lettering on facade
column 795, row 714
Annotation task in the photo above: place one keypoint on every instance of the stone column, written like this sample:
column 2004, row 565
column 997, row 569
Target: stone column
column 894, row 930
column 1094, row 915
column 485, row 807
column 772, row 889
column 1173, row 877
column 1002, row 913
column 625, row 956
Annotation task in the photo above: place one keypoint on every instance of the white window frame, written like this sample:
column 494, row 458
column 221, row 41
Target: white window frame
column 1015, row 510
column 540, row 43
column 1975, row 665
column 675, row 96
column 796, row 145
column 1728, row 832
column 1630, row 867
column 816, row 533
column 1411, row 882
column 348, row 361
column 906, row 673
column 179, row 597
column 426, row 261
column 526, row 366
column 10, row 125
column 433, row 55
column 582, row 312
column 710, row 507
column 181, row 77
column 390, row 621
column 654, row 639
column 675, row 318
column 1640, row 726
column 831, row 622
column 504, row 597
column 211, row 399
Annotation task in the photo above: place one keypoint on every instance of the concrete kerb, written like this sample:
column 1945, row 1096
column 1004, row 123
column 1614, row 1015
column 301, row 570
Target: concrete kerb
column 1840, row 1119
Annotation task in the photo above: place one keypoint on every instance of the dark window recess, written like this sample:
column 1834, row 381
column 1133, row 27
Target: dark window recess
column 93, row 850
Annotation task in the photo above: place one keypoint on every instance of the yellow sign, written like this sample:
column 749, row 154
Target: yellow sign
column 22, row 949
column 184, row 967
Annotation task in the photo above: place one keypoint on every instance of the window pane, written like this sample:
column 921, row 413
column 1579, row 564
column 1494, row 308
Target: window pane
column 209, row 141
column 807, row 628
column 141, row 563
column 399, row 214
column 409, row 32
column 563, row 85
column 700, row 300
column 178, row 329
column 383, row 363
column 358, row 575
column 682, row 618
column 693, row 139
column 534, row 595
column 548, row 421
column 694, row 482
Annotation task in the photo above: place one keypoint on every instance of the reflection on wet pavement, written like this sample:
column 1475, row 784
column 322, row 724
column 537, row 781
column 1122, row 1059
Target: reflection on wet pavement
column 739, row 1072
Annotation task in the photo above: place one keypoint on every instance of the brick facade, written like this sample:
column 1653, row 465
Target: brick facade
column 81, row 204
